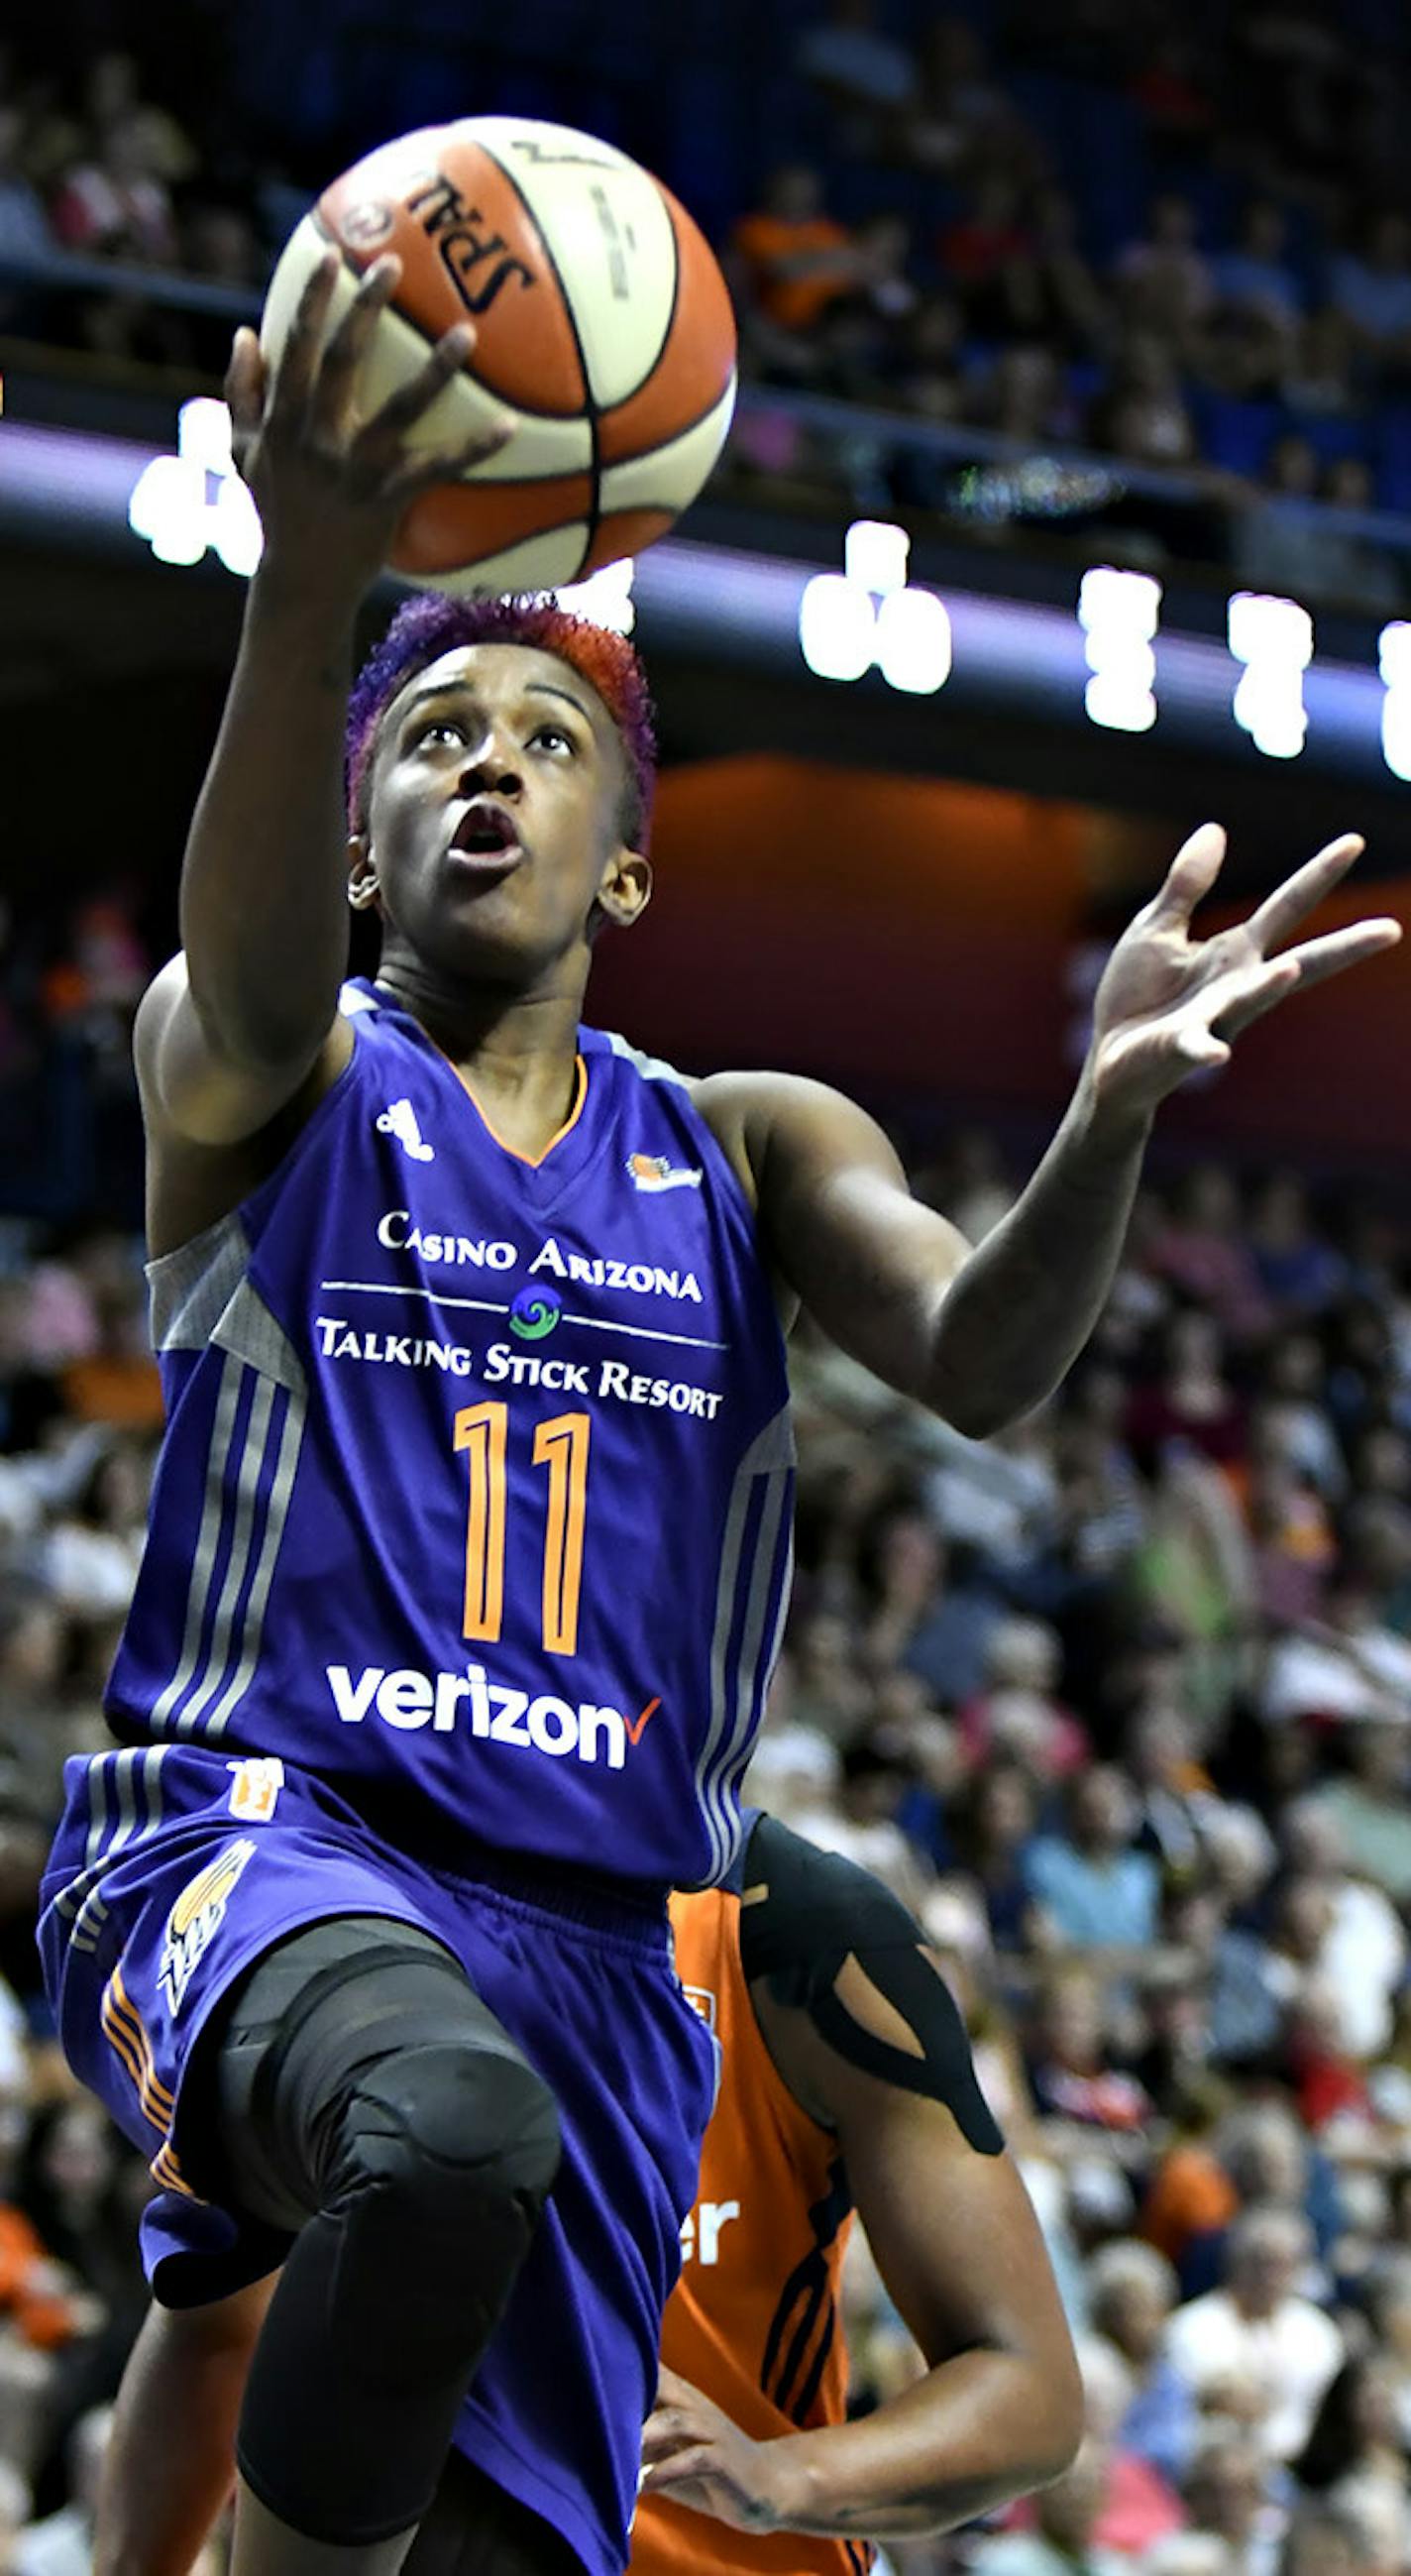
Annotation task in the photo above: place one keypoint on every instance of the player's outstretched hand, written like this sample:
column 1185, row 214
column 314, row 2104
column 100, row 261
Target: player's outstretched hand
column 329, row 481
column 696, row 2455
column 1169, row 1003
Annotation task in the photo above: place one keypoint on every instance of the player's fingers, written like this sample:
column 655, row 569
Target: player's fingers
column 686, row 2466
column 1251, row 995
column 663, row 2434
column 447, row 464
column 1319, row 958
column 349, row 340
column 1286, row 907
column 1192, row 873
column 416, row 396
column 245, row 384
column 299, row 357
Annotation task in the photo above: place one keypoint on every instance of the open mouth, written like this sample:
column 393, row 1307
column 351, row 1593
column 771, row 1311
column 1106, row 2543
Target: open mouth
column 485, row 832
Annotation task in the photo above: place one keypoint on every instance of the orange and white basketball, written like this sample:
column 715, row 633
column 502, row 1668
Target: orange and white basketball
column 603, row 326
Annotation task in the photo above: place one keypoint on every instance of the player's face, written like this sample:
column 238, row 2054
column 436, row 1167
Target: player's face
column 494, row 820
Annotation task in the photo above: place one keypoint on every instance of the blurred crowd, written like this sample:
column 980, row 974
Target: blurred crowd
column 1181, row 248
column 1120, row 1703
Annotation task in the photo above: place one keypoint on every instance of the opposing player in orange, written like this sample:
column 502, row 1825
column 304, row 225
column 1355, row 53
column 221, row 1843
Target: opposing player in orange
column 846, row 2083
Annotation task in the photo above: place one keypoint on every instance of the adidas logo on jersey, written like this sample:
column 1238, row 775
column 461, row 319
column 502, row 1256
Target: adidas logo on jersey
column 399, row 1119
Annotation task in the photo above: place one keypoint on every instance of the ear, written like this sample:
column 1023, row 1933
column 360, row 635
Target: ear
column 624, row 888
column 362, row 876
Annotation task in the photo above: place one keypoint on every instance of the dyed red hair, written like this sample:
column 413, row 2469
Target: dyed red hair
column 425, row 628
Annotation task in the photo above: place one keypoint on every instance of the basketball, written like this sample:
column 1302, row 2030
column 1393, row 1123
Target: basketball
column 603, row 327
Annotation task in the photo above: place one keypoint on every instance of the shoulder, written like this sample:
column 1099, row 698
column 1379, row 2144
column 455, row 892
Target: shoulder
column 776, row 1126
column 804, row 1909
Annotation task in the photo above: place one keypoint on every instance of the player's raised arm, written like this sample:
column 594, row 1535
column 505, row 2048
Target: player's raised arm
column 983, row 1336
column 868, row 2039
column 226, row 1038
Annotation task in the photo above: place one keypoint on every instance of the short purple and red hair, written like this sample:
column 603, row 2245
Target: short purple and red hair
column 423, row 629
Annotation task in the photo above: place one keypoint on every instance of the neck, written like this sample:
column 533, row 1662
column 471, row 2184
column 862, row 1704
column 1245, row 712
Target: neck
column 515, row 1052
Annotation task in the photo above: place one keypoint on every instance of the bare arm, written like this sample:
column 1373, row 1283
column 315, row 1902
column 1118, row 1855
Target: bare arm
column 957, row 2243
column 160, row 2494
column 226, row 1038
column 983, row 1336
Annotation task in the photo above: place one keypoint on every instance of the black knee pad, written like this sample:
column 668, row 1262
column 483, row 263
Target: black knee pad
column 442, row 2161
column 369, row 2100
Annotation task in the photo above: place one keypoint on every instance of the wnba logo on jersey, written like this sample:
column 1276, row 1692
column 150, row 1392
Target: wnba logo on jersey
column 654, row 1172
column 196, row 1918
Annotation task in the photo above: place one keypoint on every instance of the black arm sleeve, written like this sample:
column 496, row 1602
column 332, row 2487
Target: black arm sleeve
column 804, row 1913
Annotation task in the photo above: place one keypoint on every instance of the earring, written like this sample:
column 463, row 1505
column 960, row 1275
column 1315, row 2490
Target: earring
column 360, row 896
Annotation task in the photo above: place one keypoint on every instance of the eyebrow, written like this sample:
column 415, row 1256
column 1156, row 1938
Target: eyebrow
column 461, row 688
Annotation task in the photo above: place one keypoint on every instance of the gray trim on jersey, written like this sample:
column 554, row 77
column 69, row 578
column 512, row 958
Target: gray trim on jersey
column 231, row 1643
column 82, row 1900
column 253, row 1342
column 249, row 1328
column 189, row 1289
column 291, row 1436
column 732, row 1715
column 351, row 1001
column 207, row 1539
column 652, row 1068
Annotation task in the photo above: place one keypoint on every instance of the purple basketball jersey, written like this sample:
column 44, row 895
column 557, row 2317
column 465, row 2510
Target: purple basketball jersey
column 475, row 1498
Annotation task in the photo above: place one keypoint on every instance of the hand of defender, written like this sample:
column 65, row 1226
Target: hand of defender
column 330, row 484
column 694, row 2454
column 1168, row 1003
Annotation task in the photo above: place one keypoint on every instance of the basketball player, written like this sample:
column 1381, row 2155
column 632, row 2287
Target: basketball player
column 846, row 2079
column 469, row 1541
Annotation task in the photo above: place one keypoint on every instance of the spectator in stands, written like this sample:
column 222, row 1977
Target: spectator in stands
column 1317, row 381
column 1055, row 293
column 1298, row 552
column 993, row 1826
column 1256, row 279
column 1202, row 1250
column 1332, row 2540
column 959, row 119
column 25, row 238
column 1227, row 2498
column 1093, row 1890
column 1299, row 1271
column 116, row 205
column 1142, row 415
column 862, row 72
column 1132, row 2291
column 1018, row 1715
column 1190, row 1400
column 791, row 263
column 1369, row 1807
column 1255, row 2347
column 1354, row 2455
column 1164, row 280
column 983, row 256
column 1077, row 2085
column 1371, row 289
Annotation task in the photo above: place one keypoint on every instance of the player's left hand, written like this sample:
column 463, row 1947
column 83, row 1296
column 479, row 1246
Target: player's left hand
column 693, row 2453
column 1168, row 1003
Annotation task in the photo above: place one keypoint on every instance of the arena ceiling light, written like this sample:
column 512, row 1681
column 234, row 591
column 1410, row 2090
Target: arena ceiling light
column 869, row 617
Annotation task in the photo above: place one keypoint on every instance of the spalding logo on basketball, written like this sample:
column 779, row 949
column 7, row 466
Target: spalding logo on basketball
column 603, row 324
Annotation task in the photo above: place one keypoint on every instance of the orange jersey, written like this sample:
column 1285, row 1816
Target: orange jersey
column 754, row 2320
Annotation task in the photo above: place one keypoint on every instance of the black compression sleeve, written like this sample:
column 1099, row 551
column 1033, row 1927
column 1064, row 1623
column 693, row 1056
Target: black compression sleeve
column 805, row 1913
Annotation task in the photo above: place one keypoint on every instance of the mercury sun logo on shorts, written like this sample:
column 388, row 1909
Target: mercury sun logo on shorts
column 196, row 1918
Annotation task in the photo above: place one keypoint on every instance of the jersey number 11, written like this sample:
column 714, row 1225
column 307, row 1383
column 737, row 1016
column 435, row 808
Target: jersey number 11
column 482, row 1430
